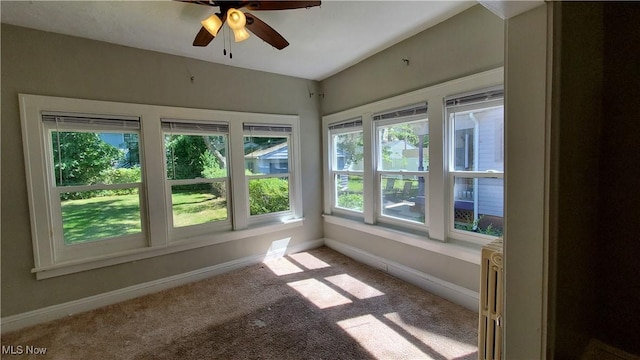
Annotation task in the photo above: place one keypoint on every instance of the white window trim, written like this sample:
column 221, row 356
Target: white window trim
column 334, row 195
column 159, row 241
column 95, row 247
column 294, row 180
column 438, row 183
column 380, row 217
column 481, row 239
column 178, row 233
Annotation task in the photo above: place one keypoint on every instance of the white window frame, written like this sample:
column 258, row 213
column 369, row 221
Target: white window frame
column 178, row 233
column 96, row 247
column 437, row 207
column 453, row 174
column 379, row 173
column 158, row 237
column 335, row 172
column 292, row 176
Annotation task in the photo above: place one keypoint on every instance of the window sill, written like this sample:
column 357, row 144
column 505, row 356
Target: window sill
column 462, row 251
column 71, row 267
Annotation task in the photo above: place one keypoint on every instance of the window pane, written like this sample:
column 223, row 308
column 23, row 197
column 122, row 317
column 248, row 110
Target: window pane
column 478, row 139
column 349, row 192
column 198, row 203
column 84, row 158
column 196, row 156
column 268, row 195
column 100, row 214
column 479, row 205
column 348, row 151
column 266, row 155
column 403, row 197
column 404, row 146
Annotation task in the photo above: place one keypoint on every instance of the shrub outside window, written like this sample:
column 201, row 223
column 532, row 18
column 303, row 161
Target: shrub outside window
column 111, row 182
column 267, row 155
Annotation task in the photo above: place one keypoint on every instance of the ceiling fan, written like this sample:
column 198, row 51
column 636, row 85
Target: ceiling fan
column 240, row 21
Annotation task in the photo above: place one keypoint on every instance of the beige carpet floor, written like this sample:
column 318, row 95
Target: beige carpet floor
column 312, row 305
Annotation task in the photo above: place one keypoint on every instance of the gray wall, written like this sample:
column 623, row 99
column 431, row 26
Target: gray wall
column 43, row 63
column 465, row 44
column 450, row 269
column 468, row 43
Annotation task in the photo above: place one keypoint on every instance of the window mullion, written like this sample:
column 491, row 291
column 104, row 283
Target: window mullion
column 81, row 188
column 268, row 176
column 295, row 163
column 438, row 204
column 152, row 149
column 478, row 174
column 368, row 182
column 348, row 172
column 239, row 187
column 402, row 173
column 196, row 181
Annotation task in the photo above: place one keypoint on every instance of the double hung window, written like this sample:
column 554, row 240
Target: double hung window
column 113, row 182
column 267, row 163
column 425, row 163
column 476, row 162
column 94, row 184
column 347, row 164
column 197, row 174
column 402, row 151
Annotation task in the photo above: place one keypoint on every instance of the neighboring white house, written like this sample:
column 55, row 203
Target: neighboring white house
column 400, row 155
column 271, row 160
column 473, row 154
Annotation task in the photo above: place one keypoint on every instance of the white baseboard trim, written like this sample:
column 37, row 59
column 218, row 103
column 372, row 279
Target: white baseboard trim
column 19, row 321
column 452, row 292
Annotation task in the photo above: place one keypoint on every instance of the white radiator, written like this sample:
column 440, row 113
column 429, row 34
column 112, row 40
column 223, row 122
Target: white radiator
column 491, row 302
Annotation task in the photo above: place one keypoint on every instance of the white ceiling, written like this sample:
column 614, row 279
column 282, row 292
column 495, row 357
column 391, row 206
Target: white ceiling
column 323, row 40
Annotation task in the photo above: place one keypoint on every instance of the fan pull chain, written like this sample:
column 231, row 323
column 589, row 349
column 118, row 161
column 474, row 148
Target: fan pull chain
column 224, row 39
column 230, row 53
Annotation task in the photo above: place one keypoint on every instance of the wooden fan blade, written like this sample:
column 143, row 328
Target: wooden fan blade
column 203, row 38
column 209, row 3
column 280, row 5
column 265, row 32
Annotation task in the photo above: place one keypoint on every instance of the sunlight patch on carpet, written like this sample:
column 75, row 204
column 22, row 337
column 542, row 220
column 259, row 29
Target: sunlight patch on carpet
column 450, row 348
column 318, row 293
column 282, row 267
column 309, row 261
column 379, row 339
column 277, row 249
column 354, row 286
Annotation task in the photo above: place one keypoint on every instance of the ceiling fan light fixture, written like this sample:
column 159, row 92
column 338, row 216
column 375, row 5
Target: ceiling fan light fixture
column 241, row 34
column 237, row 21
column 212, row 24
